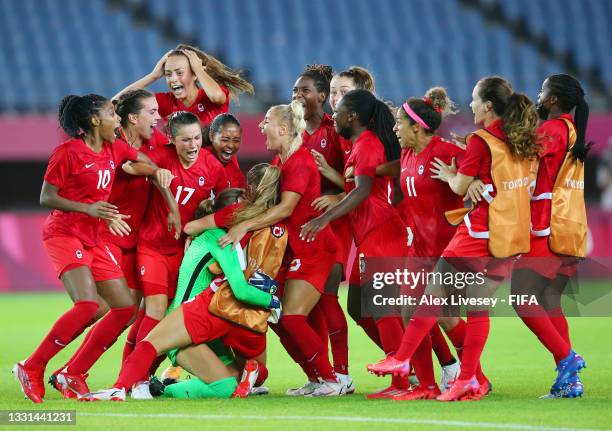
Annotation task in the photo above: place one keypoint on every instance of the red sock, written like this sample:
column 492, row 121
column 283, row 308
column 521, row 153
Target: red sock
column 369, row 327
column 423, row 319
column 400, row 382
column 338, row 331
column 262, row 374
column 136, row 365
column 316, row 320
column 130, row 342
column 440, row 346
column 103, row 335
column 536, row 319
column 309, row 345
column 155, row 365
column 294, row 352
column 69, row 326
column 457, row 336
column 476, row 334
column 557, row 318
column 146, row 326
column 78, row 350
column 390, row 331
column 423, row 364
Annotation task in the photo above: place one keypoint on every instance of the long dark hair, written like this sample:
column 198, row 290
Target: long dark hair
column 570, row 95
column 75, row 112
column 376, row 116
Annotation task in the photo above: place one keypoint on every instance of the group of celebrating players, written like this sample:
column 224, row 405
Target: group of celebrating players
column 165, row 233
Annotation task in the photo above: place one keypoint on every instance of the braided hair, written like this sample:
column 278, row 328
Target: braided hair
column 75, row 112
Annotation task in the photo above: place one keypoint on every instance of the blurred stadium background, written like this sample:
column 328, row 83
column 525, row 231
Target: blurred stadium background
column 50, row 48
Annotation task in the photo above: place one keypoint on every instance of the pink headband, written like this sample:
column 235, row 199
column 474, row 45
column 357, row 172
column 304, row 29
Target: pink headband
column 414, row 116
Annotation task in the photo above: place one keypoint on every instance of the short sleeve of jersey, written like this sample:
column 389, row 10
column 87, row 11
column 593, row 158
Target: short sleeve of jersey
column 475, row 152
column 294, row 176
column 124, row 152
column 366, row 161
column 58, row 168
column 160, row 157
column 163, row 101
column 552, row 135
column 449, row 151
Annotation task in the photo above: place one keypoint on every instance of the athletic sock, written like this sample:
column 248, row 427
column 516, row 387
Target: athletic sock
column 440, row 346
column 558, row 320
column 369, row 327
column 103, row 335
column 136, row 365
column 476, row 334
column 309, row 345
column 69, row 326
column 457, row 336
column 338, row 331
column 423, row 363
column 146, row 326
column 423, row 319
column 537, row 320
column 130, row 341
column 196, row 388
column 262, row 374
column 317, row 322
column 78, row 350
column 390, row 331
column 294, row 352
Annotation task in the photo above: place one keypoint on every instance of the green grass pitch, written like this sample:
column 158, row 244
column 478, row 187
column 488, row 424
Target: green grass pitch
column 520, row 369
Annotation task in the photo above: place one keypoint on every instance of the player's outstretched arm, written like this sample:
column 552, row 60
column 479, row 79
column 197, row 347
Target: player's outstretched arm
column 50, row 198
column 389, row 169
column 148, row 79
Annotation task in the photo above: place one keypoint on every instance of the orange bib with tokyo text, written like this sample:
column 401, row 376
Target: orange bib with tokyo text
column 568, row 222
column 509, row 211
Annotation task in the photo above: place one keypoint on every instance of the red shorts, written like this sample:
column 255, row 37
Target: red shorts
column 202, row 326
column 66, row 251
column 472, row 254
column 127, row 259
column 313, row 268
column 387, row 240
column 158, row 273
column 344, row 240
column 543, row 261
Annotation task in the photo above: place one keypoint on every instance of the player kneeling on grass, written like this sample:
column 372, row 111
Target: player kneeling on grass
column 237, row 301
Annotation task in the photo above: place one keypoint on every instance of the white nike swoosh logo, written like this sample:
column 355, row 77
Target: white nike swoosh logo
column 347, row 152
column 89, row 165
column 404, row 169
column 59, row 344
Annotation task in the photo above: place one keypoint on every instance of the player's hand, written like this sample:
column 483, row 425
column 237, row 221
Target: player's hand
column 163, row 177
column 320, row 161
column 233, row 236
column 349, row 173
column 118, row 226
column 458, row 140
column 324, row 202
column 158, row 70
column 441, row 171
column 313, row 227
column 475, row 191
column 103, row 210
column 187, row 244
column 174, row 222
column 194, row 61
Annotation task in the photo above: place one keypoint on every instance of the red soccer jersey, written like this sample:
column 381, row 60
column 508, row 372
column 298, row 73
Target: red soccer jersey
column 553, row 136
column 476, row 162
column 326, row 141
column 235, row 177
column 299, row 174
column 203, row 108
column 367, row 153
column 426, row 199
column 189, row 187
column 131, row 194
column 82, row 175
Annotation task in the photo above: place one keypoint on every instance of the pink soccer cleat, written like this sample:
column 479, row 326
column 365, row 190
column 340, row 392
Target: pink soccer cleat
column 462, row 390
column 390, row 365
column 387, row 393
column 419, row 393
column 74, row 383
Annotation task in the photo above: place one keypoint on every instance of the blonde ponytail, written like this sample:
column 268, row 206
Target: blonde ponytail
column 262, row 192
column 293, row 115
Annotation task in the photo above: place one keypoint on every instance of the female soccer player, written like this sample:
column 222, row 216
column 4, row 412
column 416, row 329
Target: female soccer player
column 77, row 185
column 196, row 174
column 198, row 83
column 497, row 227
column 223, row 139
column 309, row 262
column 191, row 323
column 376, row 226
column 559, row 225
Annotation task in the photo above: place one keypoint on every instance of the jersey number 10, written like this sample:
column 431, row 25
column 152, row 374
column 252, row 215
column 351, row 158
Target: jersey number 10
column 104, row 178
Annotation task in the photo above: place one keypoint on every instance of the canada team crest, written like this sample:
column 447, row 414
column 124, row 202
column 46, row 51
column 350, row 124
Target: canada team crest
column 323, row 143
column 201, row 181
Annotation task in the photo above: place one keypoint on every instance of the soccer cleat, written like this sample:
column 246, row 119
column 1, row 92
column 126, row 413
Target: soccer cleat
column 140, row 391
column 65, row 392
column 576, row 388
column 486, row 387
column 31, row 382
column 248, row 379
column 307, row 389
column 72, row 382
column 413, row 380
column 171, row 374
column 156, row 388
column 419, row 393
column 450, row 373
column 112, row 394
column 390, row 365
column 347, row 381
column 461, row 390
column 327, row 389
column 387, row 393
column 566, row 369
column 260, row 390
